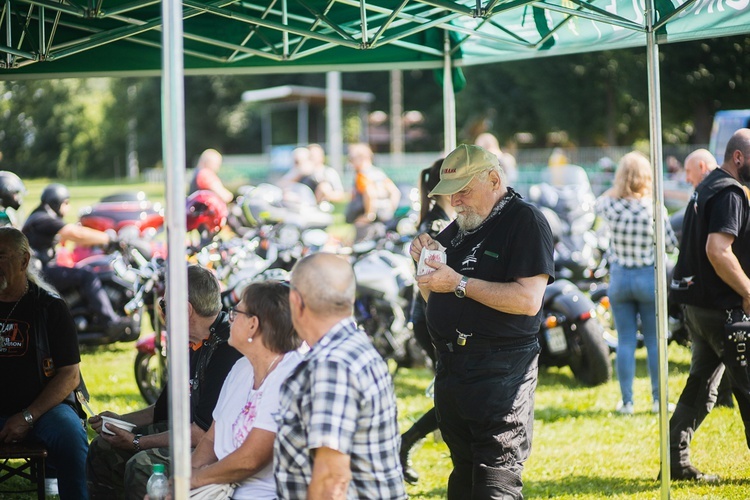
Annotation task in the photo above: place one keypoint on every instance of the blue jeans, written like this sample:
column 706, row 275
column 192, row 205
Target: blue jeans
column 62, row 432
column 632, row 294
column 485, row 410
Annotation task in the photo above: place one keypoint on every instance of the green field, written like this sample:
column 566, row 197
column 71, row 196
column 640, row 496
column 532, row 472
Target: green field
column 582, row 448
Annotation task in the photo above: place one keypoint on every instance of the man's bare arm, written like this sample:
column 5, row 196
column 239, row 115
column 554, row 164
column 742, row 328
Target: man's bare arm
column 331, row 475
column 726, row 265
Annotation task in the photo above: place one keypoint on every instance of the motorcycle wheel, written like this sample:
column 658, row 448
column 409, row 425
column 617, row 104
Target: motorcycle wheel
column 589, row 360
column 149, row 376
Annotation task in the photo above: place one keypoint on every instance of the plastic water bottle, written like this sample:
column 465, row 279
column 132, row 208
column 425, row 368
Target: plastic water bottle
column 158, row 484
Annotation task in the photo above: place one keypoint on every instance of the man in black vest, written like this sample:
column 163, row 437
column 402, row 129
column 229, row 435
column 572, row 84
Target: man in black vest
column 39, row 365
column 483, row 314
column 711, row 278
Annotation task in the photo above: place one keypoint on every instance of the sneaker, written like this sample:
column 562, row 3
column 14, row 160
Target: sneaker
column 655, row 407
column 50, row 486
column 625, row 408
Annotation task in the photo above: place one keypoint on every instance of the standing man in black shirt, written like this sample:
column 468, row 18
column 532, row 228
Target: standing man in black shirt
column 120, row 464
column 483, row 314
column 711, row 279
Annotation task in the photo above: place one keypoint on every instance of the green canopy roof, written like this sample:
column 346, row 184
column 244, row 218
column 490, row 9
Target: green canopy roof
column 46, row 38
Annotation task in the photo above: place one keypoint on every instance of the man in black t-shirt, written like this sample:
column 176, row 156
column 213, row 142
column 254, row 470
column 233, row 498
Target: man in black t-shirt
column 119, row 464
column 39, row 361
column 483, row 313
column 711, row 278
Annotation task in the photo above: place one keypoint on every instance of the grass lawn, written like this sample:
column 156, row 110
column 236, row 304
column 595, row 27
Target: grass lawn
column 581, row 449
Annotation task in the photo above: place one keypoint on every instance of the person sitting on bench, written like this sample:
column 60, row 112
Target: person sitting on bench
column 39, row 363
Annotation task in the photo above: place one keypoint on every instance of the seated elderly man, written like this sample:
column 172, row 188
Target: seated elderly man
column 43, row 368
column 338, row 435
column 119, row 464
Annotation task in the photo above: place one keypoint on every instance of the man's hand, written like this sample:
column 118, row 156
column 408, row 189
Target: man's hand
column 121, row 439
column 15, row 430
column 443, row 280
column 424, row 240
column 96, row 421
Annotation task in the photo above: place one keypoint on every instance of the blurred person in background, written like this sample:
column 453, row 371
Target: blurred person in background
column 11, row 197
column 330, row 187
column 489, row 142
column 375, row 197
column 45, row 228
column 206, row 175
column 698, row 165
column 628, row 210
column 434, row 216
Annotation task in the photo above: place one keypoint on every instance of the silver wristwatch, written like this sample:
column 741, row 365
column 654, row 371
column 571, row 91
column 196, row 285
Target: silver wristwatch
column 137, row 442
column 460, row 290
column 28, row 417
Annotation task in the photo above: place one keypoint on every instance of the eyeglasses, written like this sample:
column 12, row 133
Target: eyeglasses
column 233, row 311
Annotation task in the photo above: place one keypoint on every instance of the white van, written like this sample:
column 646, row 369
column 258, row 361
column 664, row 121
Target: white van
column 725, row 124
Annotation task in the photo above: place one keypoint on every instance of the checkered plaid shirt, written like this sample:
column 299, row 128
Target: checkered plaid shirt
column 340, row 397
column 631, row 228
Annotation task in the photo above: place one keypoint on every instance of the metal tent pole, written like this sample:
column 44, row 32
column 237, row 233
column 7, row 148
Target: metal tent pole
column 654, row 97
column 449, row 98
column 334, row 136
column 173, row 135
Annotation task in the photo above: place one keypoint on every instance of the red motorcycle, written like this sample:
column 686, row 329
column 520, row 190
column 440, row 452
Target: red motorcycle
column 116, row 212
column 151, row 365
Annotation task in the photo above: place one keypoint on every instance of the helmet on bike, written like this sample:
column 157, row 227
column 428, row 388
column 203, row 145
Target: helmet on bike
column 54, row 196
column 11, row 189
column 206, row 212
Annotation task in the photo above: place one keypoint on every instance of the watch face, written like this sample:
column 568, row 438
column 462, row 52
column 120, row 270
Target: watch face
column 460, row 290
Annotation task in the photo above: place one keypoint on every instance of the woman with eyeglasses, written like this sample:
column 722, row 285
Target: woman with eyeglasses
column 238, row 447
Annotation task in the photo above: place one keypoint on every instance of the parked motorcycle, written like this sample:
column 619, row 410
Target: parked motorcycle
column 124, row 273
column 567, row 202
column 385, row 288
column 571, row 334
column 129, row 211
column 268, row 204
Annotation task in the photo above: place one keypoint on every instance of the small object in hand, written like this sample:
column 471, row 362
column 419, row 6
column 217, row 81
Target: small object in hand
column 429, row 256
column 115, row 422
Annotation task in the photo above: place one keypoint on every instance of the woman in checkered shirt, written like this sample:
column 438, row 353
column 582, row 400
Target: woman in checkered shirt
column 628, row 210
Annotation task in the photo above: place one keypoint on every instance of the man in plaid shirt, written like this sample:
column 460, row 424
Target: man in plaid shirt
column 338, row 436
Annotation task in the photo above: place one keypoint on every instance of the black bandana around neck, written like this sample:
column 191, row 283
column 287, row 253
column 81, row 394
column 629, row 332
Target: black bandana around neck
column 496, row 210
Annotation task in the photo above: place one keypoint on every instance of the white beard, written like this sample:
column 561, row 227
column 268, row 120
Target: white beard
column 468, row 221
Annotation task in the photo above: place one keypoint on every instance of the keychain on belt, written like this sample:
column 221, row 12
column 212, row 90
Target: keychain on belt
column 461, row 340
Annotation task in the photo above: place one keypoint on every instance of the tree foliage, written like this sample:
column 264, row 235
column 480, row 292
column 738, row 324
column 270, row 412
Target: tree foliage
column 73, row 129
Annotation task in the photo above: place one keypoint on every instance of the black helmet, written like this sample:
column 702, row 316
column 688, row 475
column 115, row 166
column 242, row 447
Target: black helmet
column 54, row 195
column 10, row 189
